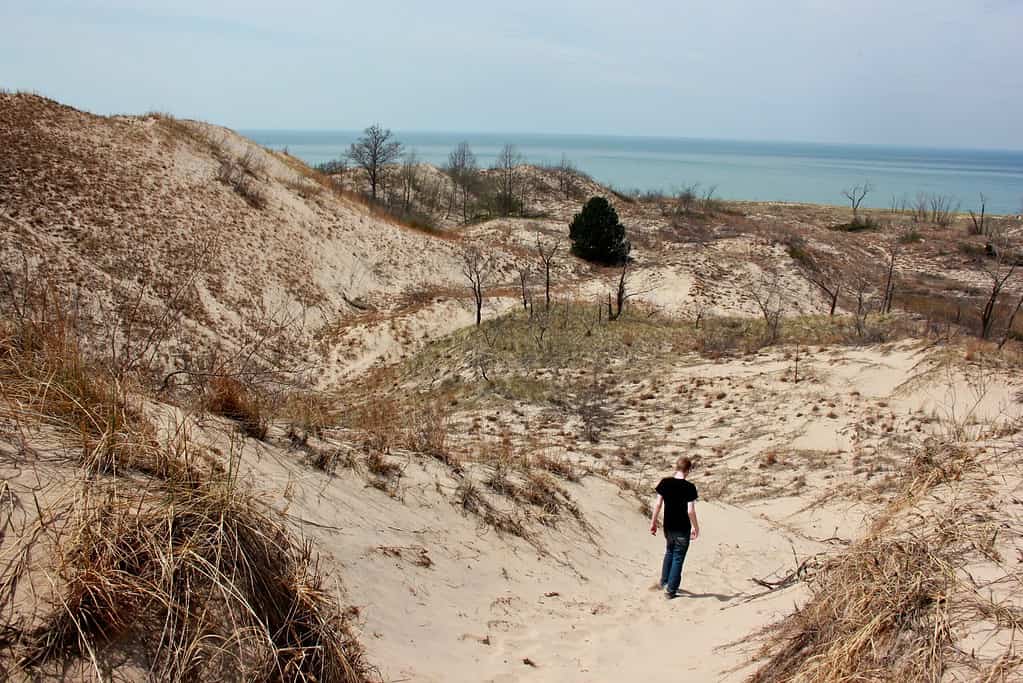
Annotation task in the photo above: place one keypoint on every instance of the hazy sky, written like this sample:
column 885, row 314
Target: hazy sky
column 914, row 72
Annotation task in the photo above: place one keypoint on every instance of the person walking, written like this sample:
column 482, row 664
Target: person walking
column 678, row 497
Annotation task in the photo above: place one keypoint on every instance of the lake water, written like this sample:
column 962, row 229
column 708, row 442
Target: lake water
column 775, row 171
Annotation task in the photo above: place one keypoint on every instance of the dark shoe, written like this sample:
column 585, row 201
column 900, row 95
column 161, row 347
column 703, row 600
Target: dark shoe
column 670, row 596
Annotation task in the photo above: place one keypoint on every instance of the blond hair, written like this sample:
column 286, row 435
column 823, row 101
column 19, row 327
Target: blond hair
column 684, row 464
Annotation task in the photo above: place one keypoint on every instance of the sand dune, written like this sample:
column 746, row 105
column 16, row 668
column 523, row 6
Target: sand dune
column 480, row 496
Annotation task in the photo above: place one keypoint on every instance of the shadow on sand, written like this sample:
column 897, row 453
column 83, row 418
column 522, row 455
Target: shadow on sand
column 720, row 597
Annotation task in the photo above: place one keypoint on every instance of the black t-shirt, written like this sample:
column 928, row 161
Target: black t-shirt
column 677, row 494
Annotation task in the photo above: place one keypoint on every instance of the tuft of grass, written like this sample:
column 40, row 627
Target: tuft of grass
column 889, row 608
column 471, row 500
column 556, row 465
column 196, row 580
column 47, row 376
column 910, row 236
column 158, row 558
column 228, row 397
column 858, row 224
column 239, row 176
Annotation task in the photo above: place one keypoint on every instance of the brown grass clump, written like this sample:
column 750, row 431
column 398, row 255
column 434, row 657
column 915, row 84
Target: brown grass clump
column 238, row 174
column 195, row 579
column 879, row 613
column 472, row 501
column 227, row 396
column 889, row 608
column 426, row 431
column 377, row 422
column 46, row 377
column 142, row 559
column 559, row 466
column 308, row 414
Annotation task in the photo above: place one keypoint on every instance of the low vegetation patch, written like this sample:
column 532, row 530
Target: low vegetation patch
column 229, row 397
column 859, row 224
column 192, row 580
column 149, row 556
column 892, row 606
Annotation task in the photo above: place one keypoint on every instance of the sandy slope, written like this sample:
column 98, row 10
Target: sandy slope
column 582, row 608
column 786, row 468
column 586, row 612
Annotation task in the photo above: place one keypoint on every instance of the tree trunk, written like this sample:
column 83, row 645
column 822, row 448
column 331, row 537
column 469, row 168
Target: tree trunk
column 1012, row 321
column 547, row 290
column 988, row 314
column 886, row 303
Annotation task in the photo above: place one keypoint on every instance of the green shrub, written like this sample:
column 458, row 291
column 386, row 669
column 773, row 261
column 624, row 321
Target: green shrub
column 597, row 234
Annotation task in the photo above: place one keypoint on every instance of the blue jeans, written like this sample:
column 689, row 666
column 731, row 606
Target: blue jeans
column 674, row 557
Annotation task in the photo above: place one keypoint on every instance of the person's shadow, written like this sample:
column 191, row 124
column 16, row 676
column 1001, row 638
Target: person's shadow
column 720, row 597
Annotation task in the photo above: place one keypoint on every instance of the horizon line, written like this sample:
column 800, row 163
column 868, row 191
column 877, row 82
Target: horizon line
column 632, row 136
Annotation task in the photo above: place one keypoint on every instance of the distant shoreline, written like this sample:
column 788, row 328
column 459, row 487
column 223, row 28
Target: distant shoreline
column 808, row 173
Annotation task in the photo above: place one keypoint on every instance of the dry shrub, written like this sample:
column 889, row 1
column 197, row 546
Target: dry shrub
column 500, row 481
column 472, row 501
column 556, row 465
column 426, row 432
column 722, row 336
column 46, row 377
column 228, row 397
column 308, row 413
column 194, row 580
column 386, row 474
column 378, row 422
column 541, row 491
column 877, row 614
column 888, row 608
column 328, row 459
column 377, row 464
column 534, row 488
column 157, row 563
column 236, row 175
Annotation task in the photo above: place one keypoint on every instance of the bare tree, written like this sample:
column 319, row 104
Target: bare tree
column 372, row 152
column 766, row 293
column 898, row 205
column 409, row 176
column 429, row 193
column 567, row 175
column 464, row 172
column 999, row 270
column 828, row 277
column 979, row 222
column 547, row 252
column 622, row 294
column 687, row 197
column 525, row 272
column 829, row 281
column 861, row 287
column 708, row 200
column 889, row 285
column 856, row 194
column 336, row 169
column 943, row 208
column 476, row 268
column 919, row 208
column 1012, row 321
column 506, row 167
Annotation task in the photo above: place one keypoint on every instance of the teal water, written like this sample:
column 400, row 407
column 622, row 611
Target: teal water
column 763, row 171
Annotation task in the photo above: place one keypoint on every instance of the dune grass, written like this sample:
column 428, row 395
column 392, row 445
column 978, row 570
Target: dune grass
column 135, row 554
column 891, row 606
